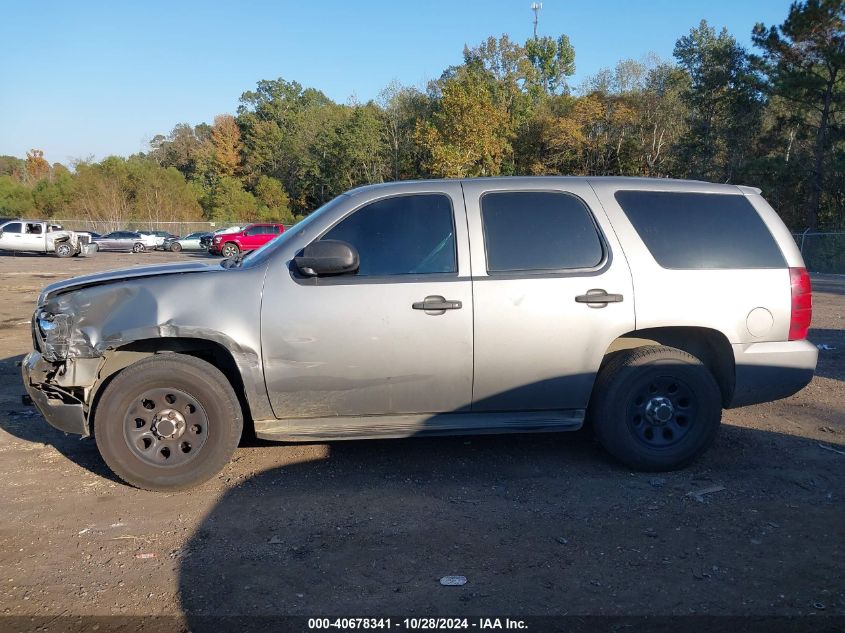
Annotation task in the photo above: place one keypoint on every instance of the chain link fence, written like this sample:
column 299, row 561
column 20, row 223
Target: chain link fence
column 104, row 226
column 823, row 252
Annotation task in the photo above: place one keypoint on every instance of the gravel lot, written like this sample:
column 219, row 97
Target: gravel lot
column 538, row 524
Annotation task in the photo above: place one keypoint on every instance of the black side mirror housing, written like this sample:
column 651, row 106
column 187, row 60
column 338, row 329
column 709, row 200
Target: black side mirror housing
column 327, row 257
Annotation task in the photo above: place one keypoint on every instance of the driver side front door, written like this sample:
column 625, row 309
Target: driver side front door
column 364, row 344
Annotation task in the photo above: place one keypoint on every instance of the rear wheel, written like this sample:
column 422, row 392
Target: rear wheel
column 138, row 248
column 655, row 408
column 230, row 249
column 168, row 422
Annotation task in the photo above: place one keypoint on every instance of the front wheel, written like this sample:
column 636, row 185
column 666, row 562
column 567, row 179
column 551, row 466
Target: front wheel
column 175, row 247
column 64, row 249
column 655, row 408
column 138, row 248
column 168, row 422
column 230, row 249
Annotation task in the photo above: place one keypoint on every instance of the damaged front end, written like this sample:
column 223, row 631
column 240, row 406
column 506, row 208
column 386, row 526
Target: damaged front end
column 62, row 407
column 59, row 386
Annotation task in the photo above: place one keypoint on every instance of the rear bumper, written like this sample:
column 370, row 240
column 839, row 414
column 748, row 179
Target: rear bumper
column 60, row 409
column 770, row 371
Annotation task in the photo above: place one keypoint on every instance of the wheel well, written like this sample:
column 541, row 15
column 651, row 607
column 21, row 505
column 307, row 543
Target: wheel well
column 209, row 351
column 711, row 347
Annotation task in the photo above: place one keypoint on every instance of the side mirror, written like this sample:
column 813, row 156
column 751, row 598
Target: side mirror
column 327, row 257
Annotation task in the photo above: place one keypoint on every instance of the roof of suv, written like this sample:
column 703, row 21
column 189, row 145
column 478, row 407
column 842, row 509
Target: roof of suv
column 614, row 182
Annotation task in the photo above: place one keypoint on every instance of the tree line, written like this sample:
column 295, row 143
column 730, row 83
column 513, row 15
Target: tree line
column 771, row 117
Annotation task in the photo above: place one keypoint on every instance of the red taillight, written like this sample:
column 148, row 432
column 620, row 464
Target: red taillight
column 802, row 303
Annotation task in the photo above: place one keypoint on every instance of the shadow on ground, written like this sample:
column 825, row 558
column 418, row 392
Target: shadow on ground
column 831, row 363
column 539, row 525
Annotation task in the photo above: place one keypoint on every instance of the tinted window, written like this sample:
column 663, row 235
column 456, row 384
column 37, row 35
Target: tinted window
column 14, row 227
column 701, row 230
column 402, row 235
column 529, row 230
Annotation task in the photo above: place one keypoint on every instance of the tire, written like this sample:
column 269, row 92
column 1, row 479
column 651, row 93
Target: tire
column 138, row 248
column 63, row 250
column 175, row 247
column 230, row 249
column 655, row 408
column 174, row 402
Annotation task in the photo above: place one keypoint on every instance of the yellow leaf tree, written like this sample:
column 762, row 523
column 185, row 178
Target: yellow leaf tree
column 469, row 134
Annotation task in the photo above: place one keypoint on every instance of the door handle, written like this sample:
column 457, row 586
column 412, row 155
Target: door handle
column 597, row 295
column 436, row 303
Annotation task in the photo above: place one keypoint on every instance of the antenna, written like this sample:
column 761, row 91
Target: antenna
column 535, row 7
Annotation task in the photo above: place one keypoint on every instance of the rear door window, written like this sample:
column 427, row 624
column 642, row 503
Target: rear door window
column 14, row 227
column 538, row 231
column 701, row 230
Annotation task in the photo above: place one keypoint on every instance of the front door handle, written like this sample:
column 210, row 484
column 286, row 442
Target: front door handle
column 597, row 295
column 436, row 304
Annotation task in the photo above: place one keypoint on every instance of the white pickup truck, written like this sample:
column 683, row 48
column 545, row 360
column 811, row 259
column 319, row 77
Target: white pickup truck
column 34, row 236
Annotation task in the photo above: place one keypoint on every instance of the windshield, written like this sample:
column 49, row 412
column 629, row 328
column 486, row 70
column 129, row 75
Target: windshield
column 260, row 255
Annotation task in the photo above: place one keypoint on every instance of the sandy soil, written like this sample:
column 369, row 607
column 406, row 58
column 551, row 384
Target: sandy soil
column 538, row 524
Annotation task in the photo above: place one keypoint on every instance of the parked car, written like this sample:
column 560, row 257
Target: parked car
column 37, row 236
column 159, row 236
column 205, row 241
column 251, row 237
column 493, row 305
column 126, row 241
column 190, row 242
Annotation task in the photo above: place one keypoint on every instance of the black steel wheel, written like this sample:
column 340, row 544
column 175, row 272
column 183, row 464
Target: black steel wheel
column 655, row 407
column 168, row 422
column 662, row 410
column 165, row 427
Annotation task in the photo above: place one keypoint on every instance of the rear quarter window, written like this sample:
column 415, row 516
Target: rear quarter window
column 701, row 230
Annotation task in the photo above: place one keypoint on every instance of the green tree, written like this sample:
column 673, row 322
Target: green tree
column 805, row 61
column 15, row 198
column 724, row 102
column 52, row 197
column 11, row 166
column 274, row 205
column 228, row 202
column 401, row 107
column 553, row 60
column 180, row 147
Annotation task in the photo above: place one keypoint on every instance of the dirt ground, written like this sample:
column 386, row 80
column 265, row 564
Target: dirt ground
column 539, row 525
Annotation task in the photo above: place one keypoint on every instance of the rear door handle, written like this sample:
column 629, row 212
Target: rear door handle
column 436, row 303
column 597, row 295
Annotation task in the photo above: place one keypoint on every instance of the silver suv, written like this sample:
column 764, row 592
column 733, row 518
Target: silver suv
column 642, row 307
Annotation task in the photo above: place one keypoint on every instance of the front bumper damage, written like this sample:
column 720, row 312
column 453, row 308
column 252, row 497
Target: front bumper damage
column 58, row 390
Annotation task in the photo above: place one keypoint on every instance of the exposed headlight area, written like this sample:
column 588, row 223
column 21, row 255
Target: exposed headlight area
column 52, row 333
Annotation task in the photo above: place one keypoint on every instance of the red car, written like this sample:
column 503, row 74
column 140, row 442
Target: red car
column 248, row 239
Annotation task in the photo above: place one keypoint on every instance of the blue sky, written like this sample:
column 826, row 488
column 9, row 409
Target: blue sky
column 98, row 78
